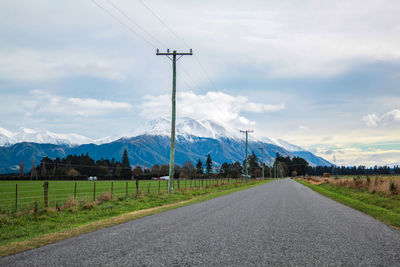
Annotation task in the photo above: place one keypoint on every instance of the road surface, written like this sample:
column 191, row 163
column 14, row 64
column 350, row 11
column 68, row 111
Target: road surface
column 279, row 223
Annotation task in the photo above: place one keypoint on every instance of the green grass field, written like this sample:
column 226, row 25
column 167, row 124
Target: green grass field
column 59, row 191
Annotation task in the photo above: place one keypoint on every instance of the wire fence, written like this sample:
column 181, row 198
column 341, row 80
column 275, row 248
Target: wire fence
column 22, row 195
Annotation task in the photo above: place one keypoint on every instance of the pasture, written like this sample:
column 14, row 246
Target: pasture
column 17, row 195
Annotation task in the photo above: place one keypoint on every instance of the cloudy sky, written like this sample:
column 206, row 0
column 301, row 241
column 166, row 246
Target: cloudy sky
column 324, row 75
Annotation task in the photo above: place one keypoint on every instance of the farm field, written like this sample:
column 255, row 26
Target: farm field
column 19, row 195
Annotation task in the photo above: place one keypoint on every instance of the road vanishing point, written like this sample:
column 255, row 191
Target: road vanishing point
column 278, row 223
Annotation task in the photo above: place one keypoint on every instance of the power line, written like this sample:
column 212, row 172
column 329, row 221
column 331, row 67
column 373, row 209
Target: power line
column 134, row 22
column 123, row 24
column 180, row 39
column 163, row 23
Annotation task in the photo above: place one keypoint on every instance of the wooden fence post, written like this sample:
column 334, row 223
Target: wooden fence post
column 137, row 186
column 148, row 188
column 16, row 197
column 46, row 194
column 75, row 192
column 94, row 191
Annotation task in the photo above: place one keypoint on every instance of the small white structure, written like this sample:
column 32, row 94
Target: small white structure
column 92, row 178
column 164, row 178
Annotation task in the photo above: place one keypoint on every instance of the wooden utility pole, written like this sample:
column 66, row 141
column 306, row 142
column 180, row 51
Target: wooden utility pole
column 262, row 162
column 246, row 163
column 174, row 59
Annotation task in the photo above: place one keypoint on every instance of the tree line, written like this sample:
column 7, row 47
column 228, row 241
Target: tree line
column 83, row 166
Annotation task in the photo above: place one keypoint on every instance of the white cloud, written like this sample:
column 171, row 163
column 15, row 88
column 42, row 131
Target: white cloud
column 24, row 64
column 355, row 156
column 375, row 120
column 215, row 106
column 303, row 127
column 45, row 104
column 371, row 120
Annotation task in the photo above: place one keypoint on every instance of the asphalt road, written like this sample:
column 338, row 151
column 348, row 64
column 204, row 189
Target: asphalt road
column 279, row 223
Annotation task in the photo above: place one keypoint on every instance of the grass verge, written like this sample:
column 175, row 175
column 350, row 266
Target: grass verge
column 27, row 231
column 383, row 207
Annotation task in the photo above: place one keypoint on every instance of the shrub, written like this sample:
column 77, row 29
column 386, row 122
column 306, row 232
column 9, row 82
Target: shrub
column 70, row 202
column 393, row 188
column 105, row 197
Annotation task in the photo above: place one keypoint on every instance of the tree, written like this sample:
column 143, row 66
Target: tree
column 199, row 167
column 224, row 170
column 137, row 172
column 208, row 164
column 21, row 169
column 33, row 171
column 235, row 170
column 126, row 171
column 254, row 166
column 188, row 169
column 155, row 170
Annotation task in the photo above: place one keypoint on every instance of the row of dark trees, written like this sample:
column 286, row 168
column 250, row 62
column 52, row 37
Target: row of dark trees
column 355, row 170
column 74, row 166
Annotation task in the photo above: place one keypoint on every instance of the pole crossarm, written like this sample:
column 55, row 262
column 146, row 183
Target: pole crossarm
column 174, row 58
column 168, row 53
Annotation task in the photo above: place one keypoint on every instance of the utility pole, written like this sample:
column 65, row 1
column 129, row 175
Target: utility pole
column 270, row 168
column 174, row 59
column 262, row 162
column 246, row 163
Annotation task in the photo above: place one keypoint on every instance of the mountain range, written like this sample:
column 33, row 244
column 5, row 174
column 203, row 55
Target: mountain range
column 147, row 145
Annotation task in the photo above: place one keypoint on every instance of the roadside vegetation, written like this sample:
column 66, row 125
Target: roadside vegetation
column 36, row 227
column 377, row 196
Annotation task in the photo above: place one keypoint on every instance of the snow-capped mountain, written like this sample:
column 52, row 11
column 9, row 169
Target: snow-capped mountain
column 8, row 138
column 187, row 128
column 148, row 145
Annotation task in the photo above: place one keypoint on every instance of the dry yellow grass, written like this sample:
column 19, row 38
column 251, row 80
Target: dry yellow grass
column 385, row 184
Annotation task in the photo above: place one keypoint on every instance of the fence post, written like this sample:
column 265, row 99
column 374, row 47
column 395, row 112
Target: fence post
column 94, row 191
column 166, row 183
column 75, row 192
column 112, row 188
column 126, row 190
column 179, row 182
column 185, row 183
column 137, row 186
column 148, row 188
column 16, row 197
column 202, row 183
column 46, row 194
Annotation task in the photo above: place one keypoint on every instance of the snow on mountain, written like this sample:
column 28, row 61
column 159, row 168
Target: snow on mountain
column 5, row 136
column 8, row 138
column 186, row 128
